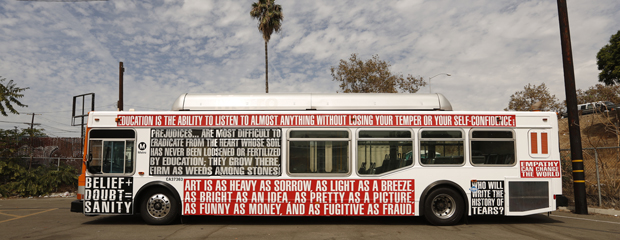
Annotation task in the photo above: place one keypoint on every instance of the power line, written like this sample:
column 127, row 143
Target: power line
column 52, row 120
column 12, row 122
column 30, row 113
column 142, row 107
column 57, row 111
column 59, row 128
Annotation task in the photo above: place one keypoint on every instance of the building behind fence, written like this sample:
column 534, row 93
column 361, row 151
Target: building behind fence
column 50, row 151
column 602, row 170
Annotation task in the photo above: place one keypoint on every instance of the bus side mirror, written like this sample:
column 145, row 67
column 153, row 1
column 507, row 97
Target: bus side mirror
column 89, row 159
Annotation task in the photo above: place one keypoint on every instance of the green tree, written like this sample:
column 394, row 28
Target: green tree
column 9, row 95
column 15, row 176
column 372, row 76
column 10, row 142
column 599, row 92
column 269, row 16
column 37, row 132
column 608, row 61
column 534, row 98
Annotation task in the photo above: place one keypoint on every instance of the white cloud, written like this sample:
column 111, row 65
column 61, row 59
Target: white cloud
column 491, row 48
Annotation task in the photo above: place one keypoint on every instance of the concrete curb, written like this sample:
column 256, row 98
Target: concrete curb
column 610, row 212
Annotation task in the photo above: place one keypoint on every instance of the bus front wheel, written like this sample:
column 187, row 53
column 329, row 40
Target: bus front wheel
column 443, row 206
column 159, row 207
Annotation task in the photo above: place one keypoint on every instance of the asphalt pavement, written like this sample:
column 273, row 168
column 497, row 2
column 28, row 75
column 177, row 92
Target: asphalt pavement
column 50, row 218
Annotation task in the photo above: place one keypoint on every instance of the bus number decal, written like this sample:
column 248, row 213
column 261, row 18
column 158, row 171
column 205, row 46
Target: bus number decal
column 108, row 195
column 215, row 151
column 295, row 197
column 487, row 197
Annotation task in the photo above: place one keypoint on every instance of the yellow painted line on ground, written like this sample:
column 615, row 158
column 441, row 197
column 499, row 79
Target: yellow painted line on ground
column 32, row 214
column 10, row 215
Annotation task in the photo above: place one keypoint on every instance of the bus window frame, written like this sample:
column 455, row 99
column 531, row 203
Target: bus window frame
column 514, row 142
column 288, row 151
column 463, row 139
column 105, row 139
column 358, row 138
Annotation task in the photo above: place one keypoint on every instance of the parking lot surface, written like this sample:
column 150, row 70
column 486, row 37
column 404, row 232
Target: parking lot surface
column 50, row 218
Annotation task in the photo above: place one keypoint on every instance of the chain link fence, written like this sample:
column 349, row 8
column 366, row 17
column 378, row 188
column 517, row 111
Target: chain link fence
column 602, row 172
column 51, row 152
column 54, row 162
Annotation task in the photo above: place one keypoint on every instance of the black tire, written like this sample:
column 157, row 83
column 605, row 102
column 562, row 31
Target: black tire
column 443, row 206
column 159, row 207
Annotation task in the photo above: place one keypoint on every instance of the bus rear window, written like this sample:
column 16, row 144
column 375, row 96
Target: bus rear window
column 492, row 147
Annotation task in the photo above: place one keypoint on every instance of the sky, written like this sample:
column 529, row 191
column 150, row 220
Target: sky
column 491, row 49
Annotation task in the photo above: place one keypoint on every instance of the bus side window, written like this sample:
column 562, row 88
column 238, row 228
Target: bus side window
column 383, row 151
column 318, row 151
column 129, row 153
column 492, row 147
column 441, row 147
column 111, row 151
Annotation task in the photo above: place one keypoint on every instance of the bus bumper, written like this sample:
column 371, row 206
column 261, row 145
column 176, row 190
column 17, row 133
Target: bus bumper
column 561, row 201
column 77, row 206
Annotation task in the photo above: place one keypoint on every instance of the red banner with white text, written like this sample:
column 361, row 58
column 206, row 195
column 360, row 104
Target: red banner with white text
column 540, row 169
column 295, row 197
column 328, row 120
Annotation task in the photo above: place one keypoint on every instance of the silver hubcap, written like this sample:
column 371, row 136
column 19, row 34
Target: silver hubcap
column 443, row 206
column 158, row 205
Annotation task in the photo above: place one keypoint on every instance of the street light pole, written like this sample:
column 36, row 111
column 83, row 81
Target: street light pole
column 429, row 80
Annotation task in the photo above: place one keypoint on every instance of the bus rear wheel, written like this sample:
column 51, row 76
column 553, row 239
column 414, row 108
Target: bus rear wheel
column 159, row 207
column 443, row 206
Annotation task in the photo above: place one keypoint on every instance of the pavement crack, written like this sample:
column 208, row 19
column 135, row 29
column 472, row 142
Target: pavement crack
column 175, row 232
column 216, row 230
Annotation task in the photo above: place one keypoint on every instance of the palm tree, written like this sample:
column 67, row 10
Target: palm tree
column 269, row 17
column 9, row 95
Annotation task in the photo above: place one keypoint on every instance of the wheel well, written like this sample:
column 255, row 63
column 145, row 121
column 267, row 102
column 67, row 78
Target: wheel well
column 154, row 185
column 443, row 184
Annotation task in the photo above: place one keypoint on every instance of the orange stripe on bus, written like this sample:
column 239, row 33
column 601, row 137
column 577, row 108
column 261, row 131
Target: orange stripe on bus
column 82, row 177
column 544, row 143
column 534, row 142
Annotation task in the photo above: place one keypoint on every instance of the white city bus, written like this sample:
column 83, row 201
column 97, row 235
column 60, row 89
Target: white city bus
column 319, row 155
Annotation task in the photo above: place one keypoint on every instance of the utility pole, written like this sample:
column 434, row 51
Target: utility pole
column 32, row 139
column 579, row 184
column 121, row 70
